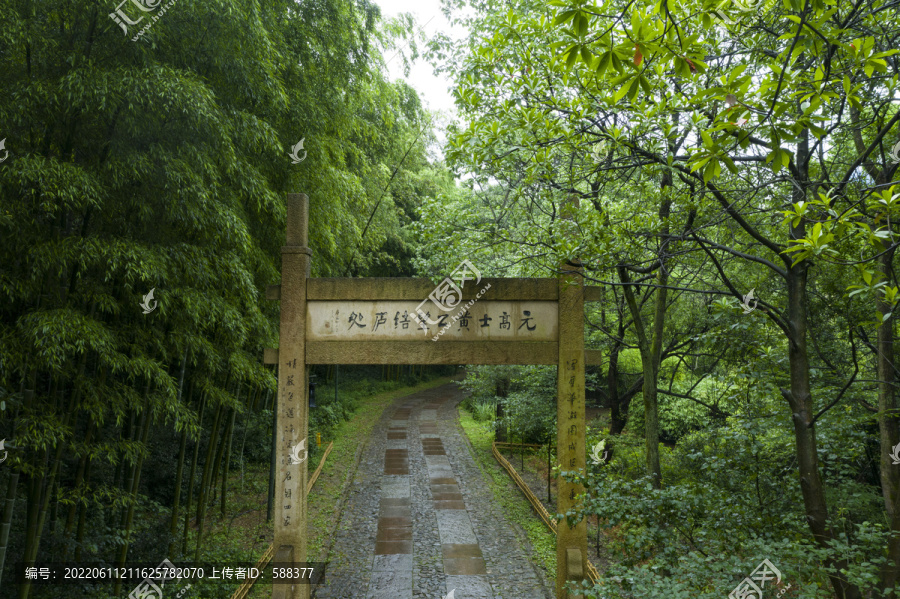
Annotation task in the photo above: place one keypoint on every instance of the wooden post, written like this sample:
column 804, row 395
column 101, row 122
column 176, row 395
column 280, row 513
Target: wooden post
column 293, row 389
column 571, row 543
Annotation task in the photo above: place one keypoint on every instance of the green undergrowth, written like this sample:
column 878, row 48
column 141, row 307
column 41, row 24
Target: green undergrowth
column 508, row 495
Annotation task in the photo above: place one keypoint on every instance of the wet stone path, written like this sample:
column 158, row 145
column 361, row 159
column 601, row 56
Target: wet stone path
column 421, row 521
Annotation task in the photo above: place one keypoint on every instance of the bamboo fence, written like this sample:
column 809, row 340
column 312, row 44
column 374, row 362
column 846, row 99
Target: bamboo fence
column 532, row 499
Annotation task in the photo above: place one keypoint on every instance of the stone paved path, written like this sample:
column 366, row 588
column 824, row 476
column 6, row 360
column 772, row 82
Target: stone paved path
column 421, row 520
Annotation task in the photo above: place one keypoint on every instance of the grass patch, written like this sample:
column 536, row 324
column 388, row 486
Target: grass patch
column 508, row 495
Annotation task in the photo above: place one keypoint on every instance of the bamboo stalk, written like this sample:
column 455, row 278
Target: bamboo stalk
column 79, row 478
column 179, row 474
column 82, row 517
column 135, row 485
column 190, row 497
column 225, row 466
column 207, row 467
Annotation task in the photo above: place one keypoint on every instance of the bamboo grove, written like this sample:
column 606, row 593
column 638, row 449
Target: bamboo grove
column 162, row 165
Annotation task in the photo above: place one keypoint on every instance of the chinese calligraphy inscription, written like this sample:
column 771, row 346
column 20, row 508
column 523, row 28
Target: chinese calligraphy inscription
column 392, row 320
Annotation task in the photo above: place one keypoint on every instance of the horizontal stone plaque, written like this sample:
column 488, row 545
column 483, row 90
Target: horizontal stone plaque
column 393, row 321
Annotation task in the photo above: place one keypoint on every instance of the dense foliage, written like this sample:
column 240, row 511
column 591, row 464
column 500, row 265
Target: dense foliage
column 161, row 163
column 710, row 159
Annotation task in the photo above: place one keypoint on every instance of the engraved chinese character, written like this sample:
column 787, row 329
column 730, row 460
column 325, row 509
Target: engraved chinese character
column 404, row 320
column 287, row 493
column 464, row 320
column 525, row 321
column 573, row 429
column 289, row 429
column 573, row 363
column 572, row 495
column 504, row 321
column 287, row 520
column 423, row 318
column 485, row 321
column 289, row 412
column 442, row 320
column 288, row 506
column 290, row 381
column 356, row 319
column 294, row 365
column 571, row 462
column 571, row 447
column 379, row 320
column 571, row 397
column 572, row 381
column 573, row 415
column 288, row 475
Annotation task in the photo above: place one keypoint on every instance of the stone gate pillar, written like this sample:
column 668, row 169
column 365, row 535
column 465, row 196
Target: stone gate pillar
column 571, row 542
column 293, row 405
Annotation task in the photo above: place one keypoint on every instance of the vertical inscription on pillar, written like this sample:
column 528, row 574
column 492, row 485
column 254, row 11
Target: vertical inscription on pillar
column 571, row 419
column 289, row 433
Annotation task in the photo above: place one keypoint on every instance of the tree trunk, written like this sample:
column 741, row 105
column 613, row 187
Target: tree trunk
column 135, row 485
column 204, row 485
column 618, row 413
column 887, row 407
column 179, row 474
column 82, row 517
column 228, row 434
column 501, row 390
column 8, row 508
column 190, row 484
column 217, row 462
column 799, row 396
column 39, row 495
column 79, row 479
column 651, row 348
